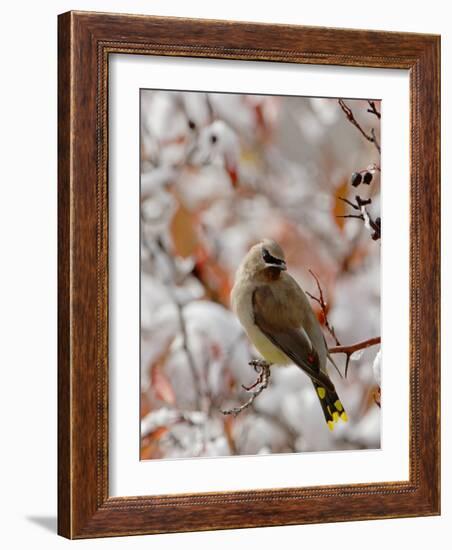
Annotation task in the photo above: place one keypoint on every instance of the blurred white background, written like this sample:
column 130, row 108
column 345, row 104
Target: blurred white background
column 28, row 303
column 220, row 172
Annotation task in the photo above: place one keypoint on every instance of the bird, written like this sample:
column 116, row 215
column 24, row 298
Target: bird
column 280, row 322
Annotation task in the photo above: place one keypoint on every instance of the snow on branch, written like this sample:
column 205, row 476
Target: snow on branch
column 374, row 225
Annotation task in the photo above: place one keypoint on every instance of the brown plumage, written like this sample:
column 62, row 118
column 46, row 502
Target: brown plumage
column 285, row 328
column 280, row 322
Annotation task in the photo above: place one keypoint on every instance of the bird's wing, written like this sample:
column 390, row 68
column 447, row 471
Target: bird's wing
column 292, row 340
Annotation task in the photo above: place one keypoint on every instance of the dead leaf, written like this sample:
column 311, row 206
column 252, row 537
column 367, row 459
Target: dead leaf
column 161, row 385
column 339, row 207
column 228, row 423
column 214, row 278
column 183, row 232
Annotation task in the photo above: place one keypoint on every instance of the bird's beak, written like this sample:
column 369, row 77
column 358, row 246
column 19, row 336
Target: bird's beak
column 281, row 266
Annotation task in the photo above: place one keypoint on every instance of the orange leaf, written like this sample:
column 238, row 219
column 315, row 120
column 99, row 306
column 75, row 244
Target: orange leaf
column 213, row 277
column 145, row 405
column 228, row 424
column 183, row 232
column 158, row 432
column 339, row 207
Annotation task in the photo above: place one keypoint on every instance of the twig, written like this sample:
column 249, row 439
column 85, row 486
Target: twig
column 373, row 109
column 190, row 360
column 350, row 350
column 263, row 370
column 374, row 225
column 358, row 206
column 349, row 114
column 357, row 216
column 324, row 307
column 350, row 203
column 374, row 139
column 356, row 347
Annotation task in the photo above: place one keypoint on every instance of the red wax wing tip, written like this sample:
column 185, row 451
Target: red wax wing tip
column 233, row 176
column 311, row 358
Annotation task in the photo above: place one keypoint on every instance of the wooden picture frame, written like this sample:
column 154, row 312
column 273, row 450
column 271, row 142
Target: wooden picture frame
column 85, row 42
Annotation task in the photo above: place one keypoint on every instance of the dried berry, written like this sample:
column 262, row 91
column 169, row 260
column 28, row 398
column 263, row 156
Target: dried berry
column 356, row 179
column 191, row 125
column 213, row 139
column 367, row 178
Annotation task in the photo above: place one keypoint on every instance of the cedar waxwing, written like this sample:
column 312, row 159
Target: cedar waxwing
column 280, row 322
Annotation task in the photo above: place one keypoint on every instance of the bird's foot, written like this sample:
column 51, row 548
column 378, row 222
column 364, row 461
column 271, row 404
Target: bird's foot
column 259, row 364
column 263, row 370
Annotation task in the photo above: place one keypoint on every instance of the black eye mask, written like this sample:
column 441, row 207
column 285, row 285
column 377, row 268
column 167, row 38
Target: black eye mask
column 269, row 259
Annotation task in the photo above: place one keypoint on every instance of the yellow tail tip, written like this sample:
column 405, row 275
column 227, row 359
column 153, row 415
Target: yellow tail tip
column 336, row 416
column 338, row 405
column 344, row 416
column 331, row 425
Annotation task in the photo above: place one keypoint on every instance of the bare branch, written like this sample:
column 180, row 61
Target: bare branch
column 324, row 307
column 356, row 347
column 263, row 370
column 374, row 139
column 350, row 116
column 188, row 354
column 360, row 205
column 350, row 203
column 373, row 109
column 350, row 350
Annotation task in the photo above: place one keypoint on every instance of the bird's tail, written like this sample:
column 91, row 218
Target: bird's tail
column 331, row 405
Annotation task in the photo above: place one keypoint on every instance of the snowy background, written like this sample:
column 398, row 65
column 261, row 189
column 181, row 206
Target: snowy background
column 219, row 172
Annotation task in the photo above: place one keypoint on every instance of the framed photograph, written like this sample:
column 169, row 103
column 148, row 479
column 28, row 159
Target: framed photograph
column 248, row 275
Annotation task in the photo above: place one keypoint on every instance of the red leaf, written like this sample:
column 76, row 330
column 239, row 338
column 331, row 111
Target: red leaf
column 233, row 175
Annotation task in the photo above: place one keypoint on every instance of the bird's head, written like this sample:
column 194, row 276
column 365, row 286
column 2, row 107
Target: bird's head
column 265, row 259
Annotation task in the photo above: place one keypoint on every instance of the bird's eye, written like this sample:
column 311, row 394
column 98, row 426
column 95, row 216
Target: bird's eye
column 267, row 256
column 269, row 259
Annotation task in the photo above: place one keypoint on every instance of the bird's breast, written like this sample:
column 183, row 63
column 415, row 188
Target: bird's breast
column 243, row 308
column 266, row 348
